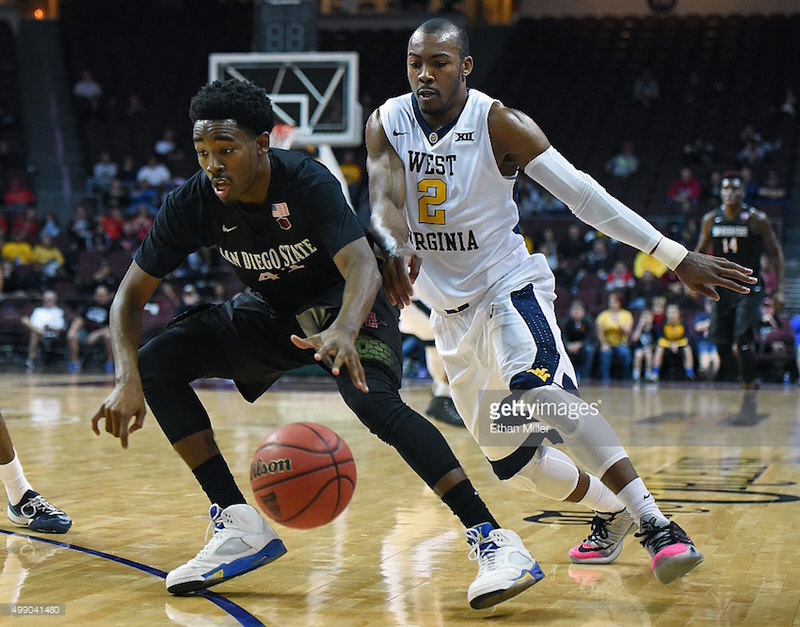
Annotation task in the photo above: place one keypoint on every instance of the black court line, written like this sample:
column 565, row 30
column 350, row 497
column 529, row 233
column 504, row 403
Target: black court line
column 238, row 613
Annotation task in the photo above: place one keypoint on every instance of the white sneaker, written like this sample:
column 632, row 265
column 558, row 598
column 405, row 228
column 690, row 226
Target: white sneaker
column 242, row 542
column 505, row 567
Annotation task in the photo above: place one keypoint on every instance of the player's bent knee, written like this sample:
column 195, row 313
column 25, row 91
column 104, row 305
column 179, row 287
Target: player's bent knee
column 549, row 473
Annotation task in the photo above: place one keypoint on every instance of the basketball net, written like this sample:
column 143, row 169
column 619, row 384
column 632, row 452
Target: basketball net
column 282, row 136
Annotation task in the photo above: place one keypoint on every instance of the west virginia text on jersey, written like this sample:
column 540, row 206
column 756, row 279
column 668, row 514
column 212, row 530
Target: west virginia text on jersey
column 453, row 185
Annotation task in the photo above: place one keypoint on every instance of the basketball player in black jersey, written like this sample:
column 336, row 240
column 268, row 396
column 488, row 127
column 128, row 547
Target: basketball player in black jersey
column 281, row 220
column 742, row 234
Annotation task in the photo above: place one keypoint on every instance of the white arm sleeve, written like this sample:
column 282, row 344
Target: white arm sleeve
column 592, row 204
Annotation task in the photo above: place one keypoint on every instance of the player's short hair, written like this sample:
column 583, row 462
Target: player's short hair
column 233, row 99
column 439, row 25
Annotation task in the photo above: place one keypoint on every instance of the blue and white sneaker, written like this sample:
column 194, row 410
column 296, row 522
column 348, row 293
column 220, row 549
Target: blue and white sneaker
column 242, row 541
column 37, row 514
column 505, row 567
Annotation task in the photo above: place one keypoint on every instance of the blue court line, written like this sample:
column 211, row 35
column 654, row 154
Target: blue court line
column 241, row 615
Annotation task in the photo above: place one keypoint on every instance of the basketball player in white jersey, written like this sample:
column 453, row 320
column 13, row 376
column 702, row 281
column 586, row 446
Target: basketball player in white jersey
column 442, row 161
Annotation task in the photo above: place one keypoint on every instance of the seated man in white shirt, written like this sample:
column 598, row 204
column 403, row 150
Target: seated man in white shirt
column 45, row 322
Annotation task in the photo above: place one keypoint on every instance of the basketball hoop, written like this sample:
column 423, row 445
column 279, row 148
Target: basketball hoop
column 282, row 136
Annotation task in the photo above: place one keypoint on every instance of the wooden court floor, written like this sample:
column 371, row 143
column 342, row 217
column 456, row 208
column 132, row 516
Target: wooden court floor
column 397, row 556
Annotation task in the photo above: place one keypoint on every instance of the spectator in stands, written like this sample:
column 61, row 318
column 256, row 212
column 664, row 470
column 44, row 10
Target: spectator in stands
column 18, row 195
column 88, row 94
column 620, row 279
column 614, row 326
column 89, row 328
column 625, row 163
column 644, row 290
column 128, row 171
column 646, row 89
column 772, row 193
column 548, row 239
column 50, row 226
column 706, row 348
column 135, row 110
column 768, row 275
column 118, row 194
column 699, row 151
column 578, row 334
column 775, row 342
column 103, row 173
column 574, row 243
column 137, row 227
column 167, row 149
column 166, row 145
column 751, row 154
column 79, row 229
column 113, row 224
column 711, row 192
column 750, row 185
column 144, row 194
column 684, row 191
column 154, row 173
column 17, row 250
column 658, row 305
column 3, row 226
column 47, row 260
column 45, row 324
column 10, row 280
column 598, row 261
column 675, row 340
column 27, row 225
column 643, row 339
column 100, row 241
column 103, row 276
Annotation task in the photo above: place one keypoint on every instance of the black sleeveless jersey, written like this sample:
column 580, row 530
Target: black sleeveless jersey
column 283, row 250
column 736, row 239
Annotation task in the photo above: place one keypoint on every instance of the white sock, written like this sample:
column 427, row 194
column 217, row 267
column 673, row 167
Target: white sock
column 599, row 498
column 640, row 503
column 14, row 480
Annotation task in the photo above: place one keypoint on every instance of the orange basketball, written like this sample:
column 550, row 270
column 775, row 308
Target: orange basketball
column 303, row 475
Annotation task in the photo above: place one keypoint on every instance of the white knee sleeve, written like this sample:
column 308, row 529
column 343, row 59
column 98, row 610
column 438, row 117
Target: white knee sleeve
column 586, row 432
column 549, row 473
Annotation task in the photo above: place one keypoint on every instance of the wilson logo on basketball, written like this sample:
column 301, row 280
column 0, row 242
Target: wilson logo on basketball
column 260, row 469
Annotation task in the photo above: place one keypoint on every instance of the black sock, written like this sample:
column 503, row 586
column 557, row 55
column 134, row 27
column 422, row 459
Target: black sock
column 217, row 482
column 465, row 502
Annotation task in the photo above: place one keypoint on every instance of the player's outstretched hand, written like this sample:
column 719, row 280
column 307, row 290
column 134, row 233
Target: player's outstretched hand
column 124, row 402
column 701, row 273
column 335, row 348
column 399, row 273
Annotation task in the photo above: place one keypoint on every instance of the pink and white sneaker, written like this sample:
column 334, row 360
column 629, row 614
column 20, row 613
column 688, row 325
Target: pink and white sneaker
column 604, row 543
column 673, row 552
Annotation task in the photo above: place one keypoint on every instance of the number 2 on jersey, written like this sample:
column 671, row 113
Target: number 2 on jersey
column 435, row 191
column 730, row 245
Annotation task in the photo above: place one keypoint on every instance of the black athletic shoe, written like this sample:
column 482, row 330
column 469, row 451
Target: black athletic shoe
column 441, row 408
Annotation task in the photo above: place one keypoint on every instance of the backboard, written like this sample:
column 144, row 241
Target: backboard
column 317, row 92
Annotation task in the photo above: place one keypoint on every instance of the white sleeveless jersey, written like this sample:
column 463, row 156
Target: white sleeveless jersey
column 459, row 207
